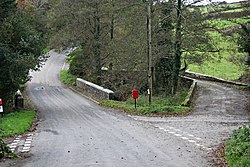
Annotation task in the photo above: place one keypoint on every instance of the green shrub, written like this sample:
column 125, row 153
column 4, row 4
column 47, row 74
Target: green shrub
column 238, row 148
column 82, row 65
column 5, row 151
column 67, row 78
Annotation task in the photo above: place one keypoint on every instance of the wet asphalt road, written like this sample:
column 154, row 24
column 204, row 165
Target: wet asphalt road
column 74, row 131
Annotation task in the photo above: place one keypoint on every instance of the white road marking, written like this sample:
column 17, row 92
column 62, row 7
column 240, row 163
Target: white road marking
column 199, row 145
column 11, row 147
column 192, row 141
column 27, row 142
column 185, row 138
column 17, row 143
column 27, row 145
column 190, row 135
column 23, row 151
column 181, row 136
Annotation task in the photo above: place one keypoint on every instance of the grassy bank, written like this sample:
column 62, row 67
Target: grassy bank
column 159, row 106
column 238, row 148
column 16, row 123
column 228, row 62
column 220, row 23
column 225, row 63
column 67, row 78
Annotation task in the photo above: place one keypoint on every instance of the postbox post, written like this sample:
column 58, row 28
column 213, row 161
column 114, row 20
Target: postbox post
column 135, row 103
column 135, row 95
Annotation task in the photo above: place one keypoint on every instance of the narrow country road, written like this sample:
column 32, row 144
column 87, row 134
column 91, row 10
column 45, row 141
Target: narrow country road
column 75, row 132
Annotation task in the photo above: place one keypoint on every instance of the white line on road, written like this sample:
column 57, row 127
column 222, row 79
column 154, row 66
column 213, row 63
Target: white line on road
column 27, row 142
column 176, row 133
column 185, row 138
column 194, row 139
column 190, row 135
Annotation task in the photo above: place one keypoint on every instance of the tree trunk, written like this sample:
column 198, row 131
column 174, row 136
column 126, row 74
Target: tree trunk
column 112, row 23
column 97, row 47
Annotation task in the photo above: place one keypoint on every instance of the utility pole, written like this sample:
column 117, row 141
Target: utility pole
column 178, row 40
column 149, row 51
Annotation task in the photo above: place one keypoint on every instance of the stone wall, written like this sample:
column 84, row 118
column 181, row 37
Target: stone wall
column 95, row 90
column 211, row 78
column 191, row 84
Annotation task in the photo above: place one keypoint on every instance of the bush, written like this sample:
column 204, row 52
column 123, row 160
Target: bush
column 82, row 65
column 238, row 148
column 5, row 152
column 67, row 78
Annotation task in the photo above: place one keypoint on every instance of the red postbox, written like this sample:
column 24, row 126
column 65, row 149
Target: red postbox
column 135, row 94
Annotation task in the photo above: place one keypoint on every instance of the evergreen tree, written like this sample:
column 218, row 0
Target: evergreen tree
column 20, row 49
column 6, row 8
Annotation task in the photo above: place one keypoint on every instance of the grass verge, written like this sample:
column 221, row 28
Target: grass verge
column 238, row 148
column 160, row 105
column 67, row 78
column 16, row 123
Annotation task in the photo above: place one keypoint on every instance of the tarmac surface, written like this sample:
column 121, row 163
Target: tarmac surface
column 75, row 132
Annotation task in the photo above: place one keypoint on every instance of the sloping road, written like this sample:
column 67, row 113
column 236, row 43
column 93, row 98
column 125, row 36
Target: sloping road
column 217, row 111
column 76, row 132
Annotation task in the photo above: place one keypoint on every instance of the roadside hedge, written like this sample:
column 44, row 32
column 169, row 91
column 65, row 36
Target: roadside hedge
column 237, row 151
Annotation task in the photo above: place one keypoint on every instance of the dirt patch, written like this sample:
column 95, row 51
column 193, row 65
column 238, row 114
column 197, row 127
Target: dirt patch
column 218, row 155
column 245, row 78
column 16, row 161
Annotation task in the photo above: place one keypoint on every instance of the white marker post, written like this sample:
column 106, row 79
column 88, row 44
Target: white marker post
column 1, row 107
